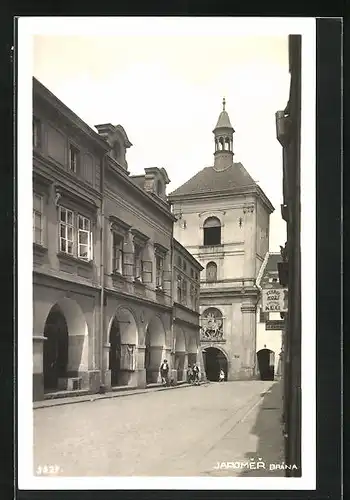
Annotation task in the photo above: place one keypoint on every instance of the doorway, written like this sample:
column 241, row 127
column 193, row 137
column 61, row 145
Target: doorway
column 214, row 361
column 55, row 355
column 115, row 352
column 266, row 364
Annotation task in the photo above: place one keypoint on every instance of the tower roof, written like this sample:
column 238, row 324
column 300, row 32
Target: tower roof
column 210, row 180
column 224, row 119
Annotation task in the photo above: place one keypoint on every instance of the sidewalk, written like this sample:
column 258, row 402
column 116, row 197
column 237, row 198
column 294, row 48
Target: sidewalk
column 116, row 392
column 257, row 437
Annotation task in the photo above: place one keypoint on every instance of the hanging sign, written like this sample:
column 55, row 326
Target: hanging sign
column 275, row 300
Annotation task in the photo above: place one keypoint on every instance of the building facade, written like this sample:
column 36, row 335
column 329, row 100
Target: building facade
column 186, row 285
column 223, row 221
column 288, row 125
column 270, row 324
column 103, row 254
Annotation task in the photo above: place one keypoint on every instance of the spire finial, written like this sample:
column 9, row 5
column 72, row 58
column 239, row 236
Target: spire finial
column 223, row 104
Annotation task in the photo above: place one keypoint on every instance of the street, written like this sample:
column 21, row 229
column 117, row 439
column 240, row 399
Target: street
column 190, row 431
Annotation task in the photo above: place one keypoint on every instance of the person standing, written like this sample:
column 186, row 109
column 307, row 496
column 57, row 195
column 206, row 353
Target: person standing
column 221, row 376
column 164, row 372
column 195, row 370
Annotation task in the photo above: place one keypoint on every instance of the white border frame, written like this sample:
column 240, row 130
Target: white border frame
column 29, row 26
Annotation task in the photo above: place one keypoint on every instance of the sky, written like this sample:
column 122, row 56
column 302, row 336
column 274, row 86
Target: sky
column 166, row 90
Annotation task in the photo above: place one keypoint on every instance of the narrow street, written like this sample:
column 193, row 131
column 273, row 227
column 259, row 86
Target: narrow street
column 181, row 432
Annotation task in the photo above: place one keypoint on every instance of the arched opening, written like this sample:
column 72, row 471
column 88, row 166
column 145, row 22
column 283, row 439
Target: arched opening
column 114, row 352
column 211, row 271
column 55, row 348
column 154, row 346
column 122, row 352
column 180, row 353
column 266, row 364
column 212, row 231
column 221, row 144
column 65, row 353
column 214, row 361
column 227, row 144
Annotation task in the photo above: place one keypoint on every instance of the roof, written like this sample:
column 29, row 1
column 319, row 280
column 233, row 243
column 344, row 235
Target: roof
column 223, row 121
column 189, row 256
column 40, row 90
column 271, row 266
column 211, row 180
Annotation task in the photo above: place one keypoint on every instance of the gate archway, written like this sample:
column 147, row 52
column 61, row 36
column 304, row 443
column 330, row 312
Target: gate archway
column 214, row 361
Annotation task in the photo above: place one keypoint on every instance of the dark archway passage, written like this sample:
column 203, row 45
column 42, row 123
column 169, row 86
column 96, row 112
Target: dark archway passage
column 214, row 361
column 154, row 345
column 114, row 352
column 55, row 356
column 266, row 364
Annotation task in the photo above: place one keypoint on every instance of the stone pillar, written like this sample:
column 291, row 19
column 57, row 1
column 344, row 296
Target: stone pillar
column 139, row 376
column 249, row 244
column 106, row 372
column 248, row 354
column 38, row 375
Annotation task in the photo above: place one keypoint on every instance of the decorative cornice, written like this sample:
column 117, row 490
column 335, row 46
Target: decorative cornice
column 120, row 224
column 139, row 237
column 160, row 249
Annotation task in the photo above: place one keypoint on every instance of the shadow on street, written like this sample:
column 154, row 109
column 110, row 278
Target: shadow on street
column 268, row 429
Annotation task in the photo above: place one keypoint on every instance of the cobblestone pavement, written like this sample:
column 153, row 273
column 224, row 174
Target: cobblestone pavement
column 173, row 433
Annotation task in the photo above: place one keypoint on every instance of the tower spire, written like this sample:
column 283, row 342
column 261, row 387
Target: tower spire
column 223, row 137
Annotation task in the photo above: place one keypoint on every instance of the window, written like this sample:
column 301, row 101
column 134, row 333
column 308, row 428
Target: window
column 36, row 133
column 179, row 289
column 212, row 231
column 66, row 231
column 193, row 297
column 75, row 234
column 159, row 271
column 73, row 159
column 184, row 292
column 192, row 273
column 84, row 237
column 264, row 316
column 138, row 262
column 117, row 254
column 211, row 271
column 37, row 219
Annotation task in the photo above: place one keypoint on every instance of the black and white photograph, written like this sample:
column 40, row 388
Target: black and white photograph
column 166, row 228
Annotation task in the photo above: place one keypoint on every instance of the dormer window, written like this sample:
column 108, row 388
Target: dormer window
column 159, row 188
column 73, row 159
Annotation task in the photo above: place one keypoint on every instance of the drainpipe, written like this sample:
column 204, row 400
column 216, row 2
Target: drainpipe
column 102, row 273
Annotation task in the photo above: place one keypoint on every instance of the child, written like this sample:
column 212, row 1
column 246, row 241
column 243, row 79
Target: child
column 222, row 376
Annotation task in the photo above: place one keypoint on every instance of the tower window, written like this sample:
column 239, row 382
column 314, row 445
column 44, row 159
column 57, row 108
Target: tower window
column 212, row 271
column 212, row 231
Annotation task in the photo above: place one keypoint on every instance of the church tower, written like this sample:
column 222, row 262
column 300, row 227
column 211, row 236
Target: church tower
column 223, row 133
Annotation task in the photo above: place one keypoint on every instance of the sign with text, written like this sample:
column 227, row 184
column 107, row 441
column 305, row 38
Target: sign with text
column 274, row 324
column 275, row 300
